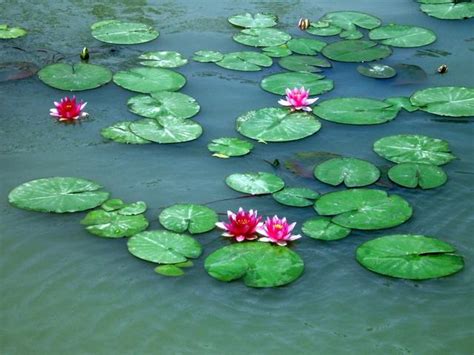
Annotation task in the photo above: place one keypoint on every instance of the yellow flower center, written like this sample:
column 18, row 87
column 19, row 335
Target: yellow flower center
column 278, row 226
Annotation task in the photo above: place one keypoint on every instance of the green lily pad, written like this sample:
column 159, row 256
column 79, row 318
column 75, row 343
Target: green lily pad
column 404, row 36
column 258, row 264
column 133, row 209
column 306, row 46
column 277, row 51
column 245, row 61
column 412, row 148
column 352, row 34
column 409, row 256
column 230, row 147
column 323, row 229
column 262, row 37
column 169, row 270
column 303, row 63
column 164, row 104
column 118, row 32
column 121, row 133
column 278, row 83
column 350, row 171
column 76, row 77
column 7, row 32
column 188, row 217
column 356, row 111
column 164, row 247
column 168, row 130
column 402, row 102
column 364, row 209
column 58, row 194
column 426, row 176
column 163, row 59
column 255, row 183
column 356, row 50
column 449, row 10
column 113, row 224
column 296, row 196
column 377, row 71
column 112, row 204
column 453, row 101
column 188, row 263
column 253, row 21
column 208, row 56
column 321, row 28
column 148, row 80
column 277, row 125
column 350, row 20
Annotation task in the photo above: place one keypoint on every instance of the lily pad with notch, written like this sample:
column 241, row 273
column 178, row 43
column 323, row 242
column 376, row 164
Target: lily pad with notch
column 207, row 56
column 278, row 83
column 296, row 196
column 262, row 37
column 120, row 132
column 113, row 224
column 305, row 46
column 322, row 228
column 118, row 32
column 259, row 183
column 163, row 59
column 229, row 147
column 453, row 101
column 303, row 63
column 188, row 217
column 167, row 130
column 405, row 36
column 412, row 175
column 164, row 104
column 245, row 61
column 356, row 50
column 402, row 102
column 350, row 171
column 258, row 20
column 448, row 10
column 148, row 80
column 277, row 51
column 377, row 71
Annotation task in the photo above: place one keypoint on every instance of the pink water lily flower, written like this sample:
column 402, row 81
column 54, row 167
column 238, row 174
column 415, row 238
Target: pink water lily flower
column 276, row 230
column 68, row 109
column 298, row 99
column 241, row 225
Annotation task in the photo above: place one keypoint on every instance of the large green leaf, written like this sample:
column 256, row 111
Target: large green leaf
column 412, row 148
column 303, row 63
column 355, row 50
column 449, row 10
column 426, row 176
column 120, row 132
column 258, row 264
column 278, row 83
column 296, row 196
column 306, row 46
column 255, row 183
column 355, row 110
column 377, row 71
column 253, row 21
column 113, row 224
column 76, row 77
column 364, row 209
column 229, row 147
column 164, row 247
column 451, row 101
column 7, row 32
column 323, row 229
column 277, row 125
column 207, row 56
column 167, row 130
column 408, row 256
column 188, row 217
column 245, row 61
column 348, row 20
column 277, row 51
column 118, row 32
column 164, row 104
column 262, row 37
column 163, row 59
column 405, row 36
column 58, row 194
column 350, row 171
column 148, row 80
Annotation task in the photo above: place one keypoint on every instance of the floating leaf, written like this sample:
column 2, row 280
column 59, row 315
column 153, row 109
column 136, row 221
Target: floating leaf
column 401, row 102
column 404, row 36
column 277, row 125
column 352, row 34
column 449, row 10
column 255, row 183
column 230, row 147
column 377, row 71
column 188, row 263
column 296, row 196
column 164, row 247
column 207, row 56
column 324, row 229
column 188, row 217
column 258, row 264
column 453, row 101
column 58, row 194
column 148, row 80
column 409, row 256
column 112, row 204
column 412, row 175
column 75, row 77
column 169, row 270
column 118, row 32
column 245, row 61
column 355, row 50
column 350, row 171
column 303, row 63
column 163, row 59
column 164, row 104
column 168, row 130
column 348, row 20
column 262, row 37
column 319, row 30
column 121, row 133
column 277, row 51
column 7, row 32
column 133, row 209
column 113, row 224
column 412, row 148
column 253, row 21
column 278, row 83
column 306, row 46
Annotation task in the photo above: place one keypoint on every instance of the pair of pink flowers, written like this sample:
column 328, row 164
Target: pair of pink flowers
column 298, row 99
column 247, row 225
column 68, row 109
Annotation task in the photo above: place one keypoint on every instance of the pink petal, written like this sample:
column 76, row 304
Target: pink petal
column 265, row 240
column 281, row 243
column 307, row 109
column 284, row 102
column 294, row 237
column 291, row 226
column 311, row 101
column 221, row 225
column 240, row 238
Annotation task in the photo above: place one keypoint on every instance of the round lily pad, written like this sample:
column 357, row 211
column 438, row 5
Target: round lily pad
column 323, row 229
column 303, row 63
column 350, row 171
column 377, row 71
column 133, row 209
column 296, row 196
column 404, row 36
column 449, row 10
column 118, row 32
column 245, row 61
column 164, row 247
column 453, row 101
column 322, row 28
column 277, row 125
column 356, row 111
column 277, row 51
column 163, row 59
column 364, row 209
column 169, row 270
column 121, row 133
column 255, row 183
column 164, row 104
column 258, row 264
column 253, row 21
column 58, row 194
column 356, row 50
column 188, row 217
column 168, row 130
column 76, row 77
column 7, row 32
column 113, row 224
column 348, row 20
column 278, row 83
column 148, row 80
column 412, row 148
column 426, row 176
column 306, row 46
column 207, row 56
column 262, row 37
column 230, row 147
column 409, row 256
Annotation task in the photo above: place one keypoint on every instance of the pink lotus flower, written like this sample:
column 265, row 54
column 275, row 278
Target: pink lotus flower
column 68, row 109
column 277, row 231
column 241, row 226
column 298, row 99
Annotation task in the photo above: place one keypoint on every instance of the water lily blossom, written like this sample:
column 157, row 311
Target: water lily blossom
column 276, row 230
column 298, row 99
column 68, row 109
column 241, row 225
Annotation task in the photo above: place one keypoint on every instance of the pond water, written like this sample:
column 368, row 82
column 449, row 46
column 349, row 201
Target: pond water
column 67, row 292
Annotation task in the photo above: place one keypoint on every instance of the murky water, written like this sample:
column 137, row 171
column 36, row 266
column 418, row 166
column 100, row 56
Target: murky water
column 67, row 292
